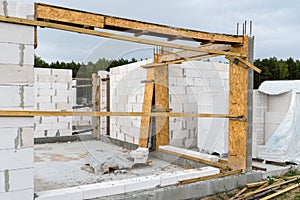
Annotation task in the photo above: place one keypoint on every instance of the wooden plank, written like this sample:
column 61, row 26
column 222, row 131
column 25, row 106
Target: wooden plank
column 253, row 167
column 243, row 63
column 204, row 56
column 161, row 79
column 110, row 35
column 122, row 24
column 266, row 188
column 27, row 113
column 193, row 180
column 238, row 194
column 189, row 54
column 215, row 164
column 237, row 130
column 147, row 106
column 63, row 15
column 252, row 185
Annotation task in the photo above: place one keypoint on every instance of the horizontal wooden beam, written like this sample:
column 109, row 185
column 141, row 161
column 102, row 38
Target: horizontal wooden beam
column 189, row 54
column 26, row 113
column 215, row 164
column 54, row 13
column 109, row 35
column 68, row 16
column 203, row 178
column 204, row 56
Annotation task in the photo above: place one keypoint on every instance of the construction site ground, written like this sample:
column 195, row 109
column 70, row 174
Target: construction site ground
column 61, row 165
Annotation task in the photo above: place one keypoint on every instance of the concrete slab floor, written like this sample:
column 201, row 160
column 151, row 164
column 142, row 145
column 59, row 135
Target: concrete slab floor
column 60, row 165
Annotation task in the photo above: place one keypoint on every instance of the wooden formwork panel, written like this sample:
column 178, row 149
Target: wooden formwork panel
column 237, row 130
column 162, row 104
column 53, row 13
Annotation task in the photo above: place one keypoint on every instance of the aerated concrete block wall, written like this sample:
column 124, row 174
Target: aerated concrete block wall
column 193, row 87
column 126, row 95
column 278, row 106
column 260, row 107
column 17, row 93
column 200, row 87
column 53, row 92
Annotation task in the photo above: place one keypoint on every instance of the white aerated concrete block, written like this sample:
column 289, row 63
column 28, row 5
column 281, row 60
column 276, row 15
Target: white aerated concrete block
column 61, row 194
column 16, row 74
column 102, row 189
column 13, row 138
column 16, row 9
column 18, row 195
column 16, row 158
column 20, row 179
column 17, row 54
column 13, row 122
column 141, row 183
column 274, row 117
column 13, row 33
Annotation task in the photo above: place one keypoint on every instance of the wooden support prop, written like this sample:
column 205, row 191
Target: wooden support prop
column 161, row 78
column 243, row 63
column 110, row 35
column 215, row 164
column 147, row 106
column 193, row 180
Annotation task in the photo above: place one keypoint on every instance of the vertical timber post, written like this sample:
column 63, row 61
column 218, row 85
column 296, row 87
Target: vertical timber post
column 239, row 146
column 161, row 103
column 96, row 105
column 147, row 107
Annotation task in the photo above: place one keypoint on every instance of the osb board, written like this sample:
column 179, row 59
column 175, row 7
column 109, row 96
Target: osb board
column 54, row 13
column 147, row 105
column 162, row 103
column 167, row 31
column 237, row 130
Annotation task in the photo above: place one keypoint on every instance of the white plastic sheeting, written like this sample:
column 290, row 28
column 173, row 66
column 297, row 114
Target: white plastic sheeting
column 284, row 144
column 278, row 87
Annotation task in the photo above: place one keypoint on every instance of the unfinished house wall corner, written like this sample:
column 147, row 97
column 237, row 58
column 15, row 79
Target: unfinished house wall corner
column 17, row 93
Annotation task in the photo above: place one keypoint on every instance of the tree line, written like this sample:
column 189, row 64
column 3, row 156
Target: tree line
column 275, row 69
column 82, row 70
column 272, row 68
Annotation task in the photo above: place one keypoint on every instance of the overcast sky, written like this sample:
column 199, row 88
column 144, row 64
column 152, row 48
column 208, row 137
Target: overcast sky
column 276, row 26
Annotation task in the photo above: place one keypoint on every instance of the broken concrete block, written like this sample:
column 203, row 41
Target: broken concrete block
column 103, row 162
column 140, row 155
